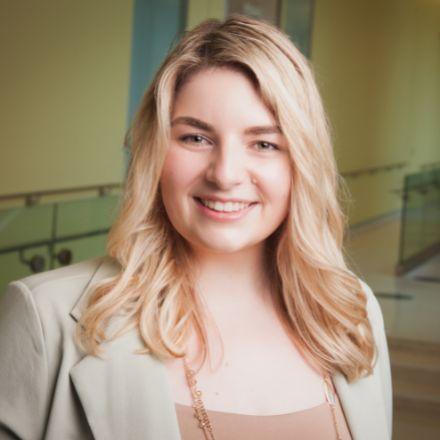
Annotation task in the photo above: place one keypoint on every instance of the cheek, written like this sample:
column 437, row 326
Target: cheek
column 178, row 172
column 277, row 181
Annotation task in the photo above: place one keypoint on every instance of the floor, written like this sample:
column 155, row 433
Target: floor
column 411, row 309
column 410, row 304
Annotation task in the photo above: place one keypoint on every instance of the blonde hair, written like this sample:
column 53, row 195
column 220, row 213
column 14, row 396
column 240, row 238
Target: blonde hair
column 319, row 298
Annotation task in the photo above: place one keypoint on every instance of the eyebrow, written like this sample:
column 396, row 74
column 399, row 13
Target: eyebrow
column 197, row 123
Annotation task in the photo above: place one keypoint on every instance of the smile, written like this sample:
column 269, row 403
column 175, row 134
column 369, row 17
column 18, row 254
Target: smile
column 223, row 207
column 224, row 211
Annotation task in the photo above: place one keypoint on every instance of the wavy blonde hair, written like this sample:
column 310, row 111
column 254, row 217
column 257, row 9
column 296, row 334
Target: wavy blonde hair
column 318, row 298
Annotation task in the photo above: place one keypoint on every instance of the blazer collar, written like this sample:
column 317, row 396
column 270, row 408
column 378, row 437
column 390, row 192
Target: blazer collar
column 102, row 267
column 128, row 395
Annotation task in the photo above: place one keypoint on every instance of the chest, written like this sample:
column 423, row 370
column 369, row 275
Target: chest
column 253, row 369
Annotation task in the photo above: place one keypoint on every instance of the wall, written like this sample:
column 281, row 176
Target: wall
column 65, row 81
column 199, row 10
column 377, row 65
column 65, row 84
column 156, row 27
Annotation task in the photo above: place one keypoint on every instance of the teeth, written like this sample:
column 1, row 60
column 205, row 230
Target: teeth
column 225, row 207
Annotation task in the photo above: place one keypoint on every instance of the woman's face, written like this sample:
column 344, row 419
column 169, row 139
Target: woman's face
column 224, row 145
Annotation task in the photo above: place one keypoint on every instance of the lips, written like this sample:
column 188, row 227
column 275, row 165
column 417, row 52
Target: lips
column 223, row 216
column 224, row 200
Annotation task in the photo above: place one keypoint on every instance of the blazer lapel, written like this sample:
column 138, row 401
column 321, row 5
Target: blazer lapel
column 124, row 395
column 363, row 406
column 128, row 395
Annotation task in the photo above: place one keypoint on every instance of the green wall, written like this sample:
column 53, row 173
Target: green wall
column 377, row 64
column 65, row 78
column 65, row 82
column 199, row 10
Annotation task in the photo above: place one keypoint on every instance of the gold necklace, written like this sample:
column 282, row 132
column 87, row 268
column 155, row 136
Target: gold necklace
column 202, row 416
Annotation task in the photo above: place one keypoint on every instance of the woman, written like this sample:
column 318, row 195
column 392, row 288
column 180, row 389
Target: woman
column 225, row 286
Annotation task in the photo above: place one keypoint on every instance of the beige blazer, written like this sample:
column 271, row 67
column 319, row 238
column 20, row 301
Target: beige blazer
column 50, row 390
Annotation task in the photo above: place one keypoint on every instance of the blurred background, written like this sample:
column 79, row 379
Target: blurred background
column 73, row 73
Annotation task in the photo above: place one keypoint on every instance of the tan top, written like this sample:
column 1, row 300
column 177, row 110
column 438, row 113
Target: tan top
column 309, row 424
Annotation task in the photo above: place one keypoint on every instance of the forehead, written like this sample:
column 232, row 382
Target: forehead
column 220, row 94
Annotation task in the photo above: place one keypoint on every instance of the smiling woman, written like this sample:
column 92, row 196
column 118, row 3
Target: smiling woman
column 228, row 247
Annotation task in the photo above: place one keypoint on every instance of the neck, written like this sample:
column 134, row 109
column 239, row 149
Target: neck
column 234, row 279
column 236, row 292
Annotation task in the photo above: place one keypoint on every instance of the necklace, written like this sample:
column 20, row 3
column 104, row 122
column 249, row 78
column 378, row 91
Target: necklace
column 202, row 416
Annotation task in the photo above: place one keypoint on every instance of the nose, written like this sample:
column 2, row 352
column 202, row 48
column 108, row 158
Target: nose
column 227, row 167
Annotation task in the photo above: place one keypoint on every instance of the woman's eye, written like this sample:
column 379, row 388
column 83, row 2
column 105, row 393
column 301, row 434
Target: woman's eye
column 267, row 145
column 192, row 138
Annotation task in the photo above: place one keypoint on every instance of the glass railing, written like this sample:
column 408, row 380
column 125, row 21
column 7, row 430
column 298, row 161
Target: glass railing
column 43, row 236
column 420, row 222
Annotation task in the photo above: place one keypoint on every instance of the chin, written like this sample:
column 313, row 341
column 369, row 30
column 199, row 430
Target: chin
column 216, row 244
column 223, row 246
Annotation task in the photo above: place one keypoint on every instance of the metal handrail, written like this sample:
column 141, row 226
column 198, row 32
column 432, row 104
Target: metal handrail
column 375, row 169
column 64, row 256
column 50, row 241
column 420, row 187
column 430, row 166
column 32, row 198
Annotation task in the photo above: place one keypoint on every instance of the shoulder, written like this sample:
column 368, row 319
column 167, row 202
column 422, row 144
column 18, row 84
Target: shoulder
column 74, row 274
column 374, row 310
column 36, row 342
column 47, row 299
column 375, row 316
column 38, row 311
column 382, row 365
column 58, row 288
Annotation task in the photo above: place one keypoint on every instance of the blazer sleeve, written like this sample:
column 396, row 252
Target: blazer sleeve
column 23, row 366
column 383, row 359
